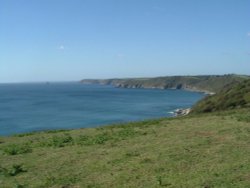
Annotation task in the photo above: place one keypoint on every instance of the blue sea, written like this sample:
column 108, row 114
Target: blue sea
column 35, row 107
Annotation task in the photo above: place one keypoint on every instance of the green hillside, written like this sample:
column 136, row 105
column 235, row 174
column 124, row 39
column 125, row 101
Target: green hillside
column 207, row 150
column 232, row 96
column 210, row 83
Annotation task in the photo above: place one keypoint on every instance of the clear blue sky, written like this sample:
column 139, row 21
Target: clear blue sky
column 53, row 40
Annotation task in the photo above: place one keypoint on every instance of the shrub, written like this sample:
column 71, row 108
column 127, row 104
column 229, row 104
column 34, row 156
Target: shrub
column 25, row 134
column 56, row 131
column 101, row 139
column 61, row 141
column 15, row 149
column 16, row 169
column 91, row 140
column 19, row 186
column 84, row 140
column 13, row 171
column 126, row 132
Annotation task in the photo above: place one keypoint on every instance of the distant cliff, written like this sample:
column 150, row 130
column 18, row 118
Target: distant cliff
column 207, row 84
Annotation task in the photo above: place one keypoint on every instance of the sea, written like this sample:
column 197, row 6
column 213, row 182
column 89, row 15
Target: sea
column 32, row 107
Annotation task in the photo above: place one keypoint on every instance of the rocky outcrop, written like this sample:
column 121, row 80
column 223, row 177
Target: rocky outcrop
column 182, row 112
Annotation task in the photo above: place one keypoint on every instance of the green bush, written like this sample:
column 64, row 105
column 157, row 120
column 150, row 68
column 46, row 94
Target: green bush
column 101, row 139
column 84, row 140
column 15, row 149
column 19, row 186
column 91, row 140
column 57, row 141
column 126, row 132
column 13, row 171
column 61, row 141
column 16, row 169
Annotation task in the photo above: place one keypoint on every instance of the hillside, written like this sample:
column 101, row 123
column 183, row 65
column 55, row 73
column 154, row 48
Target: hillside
column 207, row 150
column 205, row 84
column 231, row 97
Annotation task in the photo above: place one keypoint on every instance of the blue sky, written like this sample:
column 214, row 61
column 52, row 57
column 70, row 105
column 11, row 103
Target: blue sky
column 60, row 40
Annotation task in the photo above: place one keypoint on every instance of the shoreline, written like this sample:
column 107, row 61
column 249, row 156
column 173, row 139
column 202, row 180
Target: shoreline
column 125, row 86
column 182, row 112
column 207, row 84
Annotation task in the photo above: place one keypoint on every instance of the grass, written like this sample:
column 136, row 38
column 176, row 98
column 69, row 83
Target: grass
column 231, row 97
column 13, row 171
column 206, row 150
column 15, row 149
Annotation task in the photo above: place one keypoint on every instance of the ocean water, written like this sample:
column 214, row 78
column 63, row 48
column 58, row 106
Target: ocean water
column 36, row 107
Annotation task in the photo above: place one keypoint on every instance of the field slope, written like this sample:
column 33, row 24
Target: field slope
column 206, row 150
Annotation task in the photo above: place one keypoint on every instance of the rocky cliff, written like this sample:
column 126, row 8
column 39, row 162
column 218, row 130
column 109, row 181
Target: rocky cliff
column 208, row 84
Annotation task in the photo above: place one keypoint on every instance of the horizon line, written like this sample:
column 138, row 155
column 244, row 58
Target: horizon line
column 65, row 81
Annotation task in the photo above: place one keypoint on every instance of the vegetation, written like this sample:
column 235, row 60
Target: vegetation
column 196, row 83
column 13, row 171
column 232, row 96
column 205, row 150
column 15, row 149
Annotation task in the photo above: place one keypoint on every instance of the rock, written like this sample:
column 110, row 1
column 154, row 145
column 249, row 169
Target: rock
column 182, row 112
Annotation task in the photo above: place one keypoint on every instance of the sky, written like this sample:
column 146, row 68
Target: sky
column 69, row 40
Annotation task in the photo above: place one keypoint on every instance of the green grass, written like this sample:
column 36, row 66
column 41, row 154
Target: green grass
column 15, row 149
column 231, row 97
column 206, row 150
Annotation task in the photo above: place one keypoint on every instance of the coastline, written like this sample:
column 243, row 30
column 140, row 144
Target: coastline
column 186, row 88
column 207, row 84
column 182, row 112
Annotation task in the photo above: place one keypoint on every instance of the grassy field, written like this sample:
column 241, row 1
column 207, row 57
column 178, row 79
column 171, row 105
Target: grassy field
column 205, row 150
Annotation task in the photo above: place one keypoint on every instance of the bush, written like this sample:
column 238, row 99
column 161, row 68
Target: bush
column 98, row 139
column 84, row 140
column 101, row 139
column 57, row 141
column 14, row 149
column 19, row 186
column 16, row 169
column 13, row 171
column 61, row 141
column 126, row 132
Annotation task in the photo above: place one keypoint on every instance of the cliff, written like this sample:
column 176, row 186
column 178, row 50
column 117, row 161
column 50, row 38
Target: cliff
column 208, row 84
